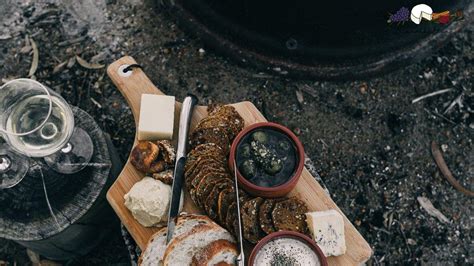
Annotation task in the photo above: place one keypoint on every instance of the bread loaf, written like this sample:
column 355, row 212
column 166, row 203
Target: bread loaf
column 193, row 235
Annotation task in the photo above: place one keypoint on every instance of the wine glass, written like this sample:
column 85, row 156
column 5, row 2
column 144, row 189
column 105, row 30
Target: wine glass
column 13, row 167
column 37, row 122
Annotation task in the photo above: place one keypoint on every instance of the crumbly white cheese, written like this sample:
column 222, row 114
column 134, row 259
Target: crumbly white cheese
column 149, row 200
column 327, row 228
column 156, row 117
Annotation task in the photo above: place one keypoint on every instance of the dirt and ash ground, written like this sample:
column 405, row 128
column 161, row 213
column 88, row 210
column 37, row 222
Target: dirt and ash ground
column 371, row 145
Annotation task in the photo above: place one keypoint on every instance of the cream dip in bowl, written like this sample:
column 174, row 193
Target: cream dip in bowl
column 287, row 248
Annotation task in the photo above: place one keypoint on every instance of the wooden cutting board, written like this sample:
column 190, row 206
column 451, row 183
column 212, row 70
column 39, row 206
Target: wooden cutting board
column 132, row 86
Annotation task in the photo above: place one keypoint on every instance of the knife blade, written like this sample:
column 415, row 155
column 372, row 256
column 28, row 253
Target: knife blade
column 241, row 257
column 184, row 122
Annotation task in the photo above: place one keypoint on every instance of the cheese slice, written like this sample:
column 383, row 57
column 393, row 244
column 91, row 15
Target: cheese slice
column 327, row 228
column 156, row 117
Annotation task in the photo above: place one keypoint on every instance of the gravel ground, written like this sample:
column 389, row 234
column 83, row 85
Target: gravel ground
column 370, row 143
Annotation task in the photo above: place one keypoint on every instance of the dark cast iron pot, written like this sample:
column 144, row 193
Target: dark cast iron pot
column 324, row 39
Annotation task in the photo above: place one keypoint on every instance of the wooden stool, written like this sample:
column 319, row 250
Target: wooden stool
column 83, row 216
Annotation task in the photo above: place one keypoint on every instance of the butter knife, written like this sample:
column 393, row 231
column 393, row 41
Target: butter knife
column 184, row 122
column 241, row 257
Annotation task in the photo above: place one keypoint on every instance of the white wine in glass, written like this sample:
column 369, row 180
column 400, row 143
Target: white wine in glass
column 27, row 115
column 37, row 122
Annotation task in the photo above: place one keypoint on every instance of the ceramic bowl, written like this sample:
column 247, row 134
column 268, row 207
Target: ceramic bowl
column 287, row 234
column 269, row 192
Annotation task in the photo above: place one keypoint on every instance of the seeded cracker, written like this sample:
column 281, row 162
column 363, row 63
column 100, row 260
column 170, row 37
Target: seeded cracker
column 251, row 227
column 290, row 215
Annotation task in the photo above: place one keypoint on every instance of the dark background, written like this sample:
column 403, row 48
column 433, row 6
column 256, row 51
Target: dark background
column 370, row 144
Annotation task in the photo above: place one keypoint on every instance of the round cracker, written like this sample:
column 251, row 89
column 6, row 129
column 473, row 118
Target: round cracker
column 289, row 215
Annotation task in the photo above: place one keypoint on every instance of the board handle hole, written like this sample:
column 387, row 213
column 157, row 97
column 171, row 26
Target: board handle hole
column 127, row 70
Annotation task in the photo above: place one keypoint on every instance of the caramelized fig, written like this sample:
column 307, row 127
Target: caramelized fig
column 144, row 154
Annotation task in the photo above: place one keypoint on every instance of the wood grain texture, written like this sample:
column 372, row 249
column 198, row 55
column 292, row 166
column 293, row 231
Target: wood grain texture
column 307, row 189
column 24, row 215
column 78, row 201
column 81, row 237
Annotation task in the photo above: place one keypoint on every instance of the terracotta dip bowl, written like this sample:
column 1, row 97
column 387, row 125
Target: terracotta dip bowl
column 286, row 248
column 279, row 190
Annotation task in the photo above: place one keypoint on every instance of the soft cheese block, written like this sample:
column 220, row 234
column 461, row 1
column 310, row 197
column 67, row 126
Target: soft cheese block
column 327, row 228
column 156, row 117
column 149, row 201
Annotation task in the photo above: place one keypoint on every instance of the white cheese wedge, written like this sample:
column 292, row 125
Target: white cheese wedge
column 156, row 117
column 327, row 228
column 421, row 11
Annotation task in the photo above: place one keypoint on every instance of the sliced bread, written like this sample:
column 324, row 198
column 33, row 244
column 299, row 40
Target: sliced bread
column 189, row 221
column 217, row 252
column 181, row 249
column 226, row 197
column 265, row 215
column 155, row 249
column 290, row 215
column 210, row 205
column 251, row 228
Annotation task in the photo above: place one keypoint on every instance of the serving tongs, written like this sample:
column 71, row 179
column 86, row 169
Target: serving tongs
column 240, row 260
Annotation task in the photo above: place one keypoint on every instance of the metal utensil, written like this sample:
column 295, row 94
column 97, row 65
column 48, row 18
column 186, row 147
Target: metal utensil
column 184, row 120
column 241, row 257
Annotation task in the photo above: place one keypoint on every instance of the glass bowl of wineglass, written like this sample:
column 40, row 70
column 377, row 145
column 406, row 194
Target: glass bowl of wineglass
column 36, row 122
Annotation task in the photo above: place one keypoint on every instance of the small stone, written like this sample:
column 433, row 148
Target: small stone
column 444, row 147
column 363, row 88
column 71, row 62
column 297, row 131
column 428, row 75
column 299, row 96
column 202, row 52
column 5, row 36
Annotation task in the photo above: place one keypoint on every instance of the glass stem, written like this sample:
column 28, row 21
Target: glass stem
column 5, row 164
column 67, row 149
